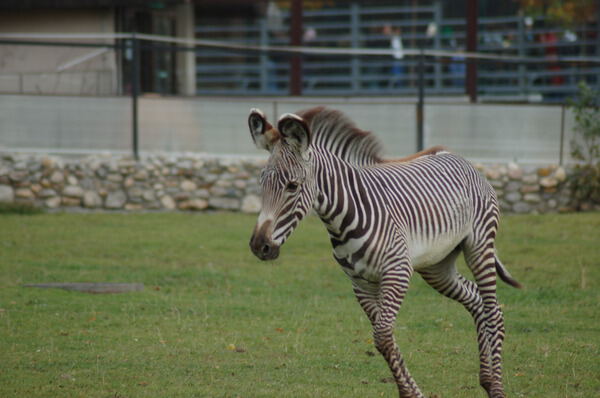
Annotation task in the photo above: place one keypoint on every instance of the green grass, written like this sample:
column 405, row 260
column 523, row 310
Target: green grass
column 213, row 321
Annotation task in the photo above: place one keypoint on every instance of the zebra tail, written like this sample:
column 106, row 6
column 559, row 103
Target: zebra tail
column 505, row 275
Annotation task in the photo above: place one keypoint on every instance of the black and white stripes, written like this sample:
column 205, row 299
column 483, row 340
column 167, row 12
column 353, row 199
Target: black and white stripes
column 386, row 219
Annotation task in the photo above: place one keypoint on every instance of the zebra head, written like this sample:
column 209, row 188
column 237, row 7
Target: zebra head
column 288, row 189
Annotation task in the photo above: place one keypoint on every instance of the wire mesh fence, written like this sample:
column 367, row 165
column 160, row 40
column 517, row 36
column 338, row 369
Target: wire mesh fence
column 85, row 94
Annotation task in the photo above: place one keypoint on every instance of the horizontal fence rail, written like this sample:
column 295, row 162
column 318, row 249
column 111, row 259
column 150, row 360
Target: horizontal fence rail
column 76, row 124
column 233, row 68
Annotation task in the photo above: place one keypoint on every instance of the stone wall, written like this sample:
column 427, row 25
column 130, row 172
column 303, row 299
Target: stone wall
column 121, row 183
column 529, row 189
column 196, row 183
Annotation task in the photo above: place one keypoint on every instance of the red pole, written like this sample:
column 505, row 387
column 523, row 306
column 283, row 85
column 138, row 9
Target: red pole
column 471, row 77
column 296, row 40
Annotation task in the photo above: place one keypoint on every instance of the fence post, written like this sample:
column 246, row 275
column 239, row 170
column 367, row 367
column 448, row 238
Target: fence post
column 597, row 41
column 522, row 53
column 135, row 76
column 264, row 56
column 562, row 135
column 421, row 100
column 355, row 37
column 437, row 43
column 471, row 78
column 296, row 40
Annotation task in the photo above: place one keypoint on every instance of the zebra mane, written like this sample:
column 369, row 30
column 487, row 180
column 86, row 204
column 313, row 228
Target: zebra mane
column 332, row 131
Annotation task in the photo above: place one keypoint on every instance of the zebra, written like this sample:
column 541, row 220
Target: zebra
column 386, row 219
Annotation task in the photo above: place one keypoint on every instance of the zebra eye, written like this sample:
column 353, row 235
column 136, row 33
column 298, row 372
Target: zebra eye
column 292, row 186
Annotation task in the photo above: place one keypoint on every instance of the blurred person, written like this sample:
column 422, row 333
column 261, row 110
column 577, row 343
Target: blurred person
column 397, row 70
column 550, row 39
column 276, row 31
column 457, row 69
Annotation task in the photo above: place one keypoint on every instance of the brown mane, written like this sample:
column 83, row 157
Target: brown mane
column 333, row 131
column 429, row 151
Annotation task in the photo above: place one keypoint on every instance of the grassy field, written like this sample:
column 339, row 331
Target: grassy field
column 213, row 321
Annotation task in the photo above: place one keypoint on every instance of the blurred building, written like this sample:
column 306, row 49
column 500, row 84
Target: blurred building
column 431, row 24
column 94, row 70
column 501, row 28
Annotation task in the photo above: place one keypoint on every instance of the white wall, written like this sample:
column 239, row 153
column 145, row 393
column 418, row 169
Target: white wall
column 487, row 133
column 62, row 122
column 523, row 133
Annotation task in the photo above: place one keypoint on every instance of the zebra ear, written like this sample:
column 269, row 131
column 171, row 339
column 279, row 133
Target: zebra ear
column 295, row 132
column 262, row 132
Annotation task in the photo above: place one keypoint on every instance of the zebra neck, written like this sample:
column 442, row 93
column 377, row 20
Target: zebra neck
column 340, row 203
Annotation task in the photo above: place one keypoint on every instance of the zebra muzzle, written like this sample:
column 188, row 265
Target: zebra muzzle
column 262, row 246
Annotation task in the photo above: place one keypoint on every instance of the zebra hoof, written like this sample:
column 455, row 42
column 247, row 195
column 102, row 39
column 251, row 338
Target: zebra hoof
column 496, row 391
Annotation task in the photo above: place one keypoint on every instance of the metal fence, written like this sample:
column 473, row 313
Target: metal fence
column 89, row 119
column 487, row 133
column 527, row 63
column 224, row 72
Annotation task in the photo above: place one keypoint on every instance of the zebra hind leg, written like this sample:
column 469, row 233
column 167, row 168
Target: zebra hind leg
column 481, row 260
column 446, row 280
column 381, row 308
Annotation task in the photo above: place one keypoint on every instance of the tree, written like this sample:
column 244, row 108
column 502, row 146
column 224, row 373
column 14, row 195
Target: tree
column 585, row 146
column 568, row 13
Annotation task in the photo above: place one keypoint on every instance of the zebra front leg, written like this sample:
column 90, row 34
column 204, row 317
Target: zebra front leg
column 381, row 307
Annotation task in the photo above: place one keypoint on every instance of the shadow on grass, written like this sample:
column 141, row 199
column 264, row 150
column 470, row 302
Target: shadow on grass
column 20, row 208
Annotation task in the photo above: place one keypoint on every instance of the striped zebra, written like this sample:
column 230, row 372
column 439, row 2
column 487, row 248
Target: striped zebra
column 386, row 219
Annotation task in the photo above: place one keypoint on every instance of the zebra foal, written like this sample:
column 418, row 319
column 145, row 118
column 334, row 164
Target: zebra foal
column 386, row 219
